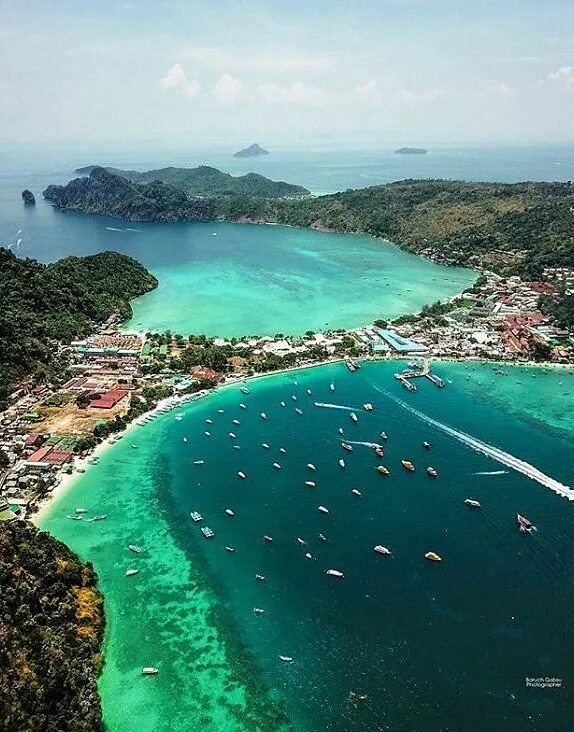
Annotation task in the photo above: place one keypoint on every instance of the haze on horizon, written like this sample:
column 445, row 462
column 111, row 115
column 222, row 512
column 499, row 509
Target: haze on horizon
column 321, row 72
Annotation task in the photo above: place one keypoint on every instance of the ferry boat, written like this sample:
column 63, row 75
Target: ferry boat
column 260, row 577
column 323, row 509
column 244, row 390
column 207, row 532
column 407, row 465
column 334, row 573
column 347, row 447
column 196, row 516
column 356, row 492
column 131, row 572
column 432, row 472
column 341, row 463
column 135, row 549
column 150, row 671
column 433, row 557
column 368, row 407
column 524, row 524
column 354, row 417
column 311, row 466
column 382, row 469
column 310, row 483
column 472, row 502
column 380, row 549
column 229, row 512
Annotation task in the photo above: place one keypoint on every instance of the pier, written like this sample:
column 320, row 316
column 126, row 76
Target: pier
column 406, row 377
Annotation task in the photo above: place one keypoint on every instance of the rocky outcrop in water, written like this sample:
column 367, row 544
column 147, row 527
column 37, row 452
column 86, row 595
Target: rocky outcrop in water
column 28, row 197
column 253, row 151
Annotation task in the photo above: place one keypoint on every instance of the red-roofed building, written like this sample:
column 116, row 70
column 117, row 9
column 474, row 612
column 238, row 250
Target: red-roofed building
column 34, row 440
column 40, row 455
column 58, row 457
column 109, row 399
column 543, row 288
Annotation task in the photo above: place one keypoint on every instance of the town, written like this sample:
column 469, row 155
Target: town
column 114, row 377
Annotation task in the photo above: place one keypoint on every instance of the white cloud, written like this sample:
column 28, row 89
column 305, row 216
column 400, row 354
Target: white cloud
column 414, row 96
column 286, row 59
column 229, row 89
column 562, row 78
column 501, row 90
column 177, row 80
column 299, row 94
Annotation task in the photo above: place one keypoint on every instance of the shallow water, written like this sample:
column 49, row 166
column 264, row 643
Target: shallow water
column 432, row 645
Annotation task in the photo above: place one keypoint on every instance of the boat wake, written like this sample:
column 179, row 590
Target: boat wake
column 334, row 406
column 111, row 228
column 492, row 472
column 366, row 444
column 511, row 461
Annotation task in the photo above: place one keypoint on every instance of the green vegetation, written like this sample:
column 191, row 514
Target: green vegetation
column 559, row 307
column 207, row 181
column 51, row 628
column 43, row 304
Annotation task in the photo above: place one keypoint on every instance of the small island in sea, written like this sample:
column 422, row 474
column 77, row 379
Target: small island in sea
column 253, row 151
column 28, row 197
column 411, row 151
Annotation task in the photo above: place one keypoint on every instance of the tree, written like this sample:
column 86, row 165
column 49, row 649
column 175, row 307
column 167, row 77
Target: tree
column 4, row 459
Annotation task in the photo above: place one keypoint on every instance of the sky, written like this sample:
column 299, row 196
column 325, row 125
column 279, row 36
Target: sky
column 296, row 72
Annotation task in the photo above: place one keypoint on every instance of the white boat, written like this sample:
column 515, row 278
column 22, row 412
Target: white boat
column 244, row 390
column 135, row 549
column 368, row 407
column 207, row 532
column 76, row 518
column 341, row 463
column 81, row 510
column 199, row 462
column 380, row 549
column 209, row 421
column 196, row 516
column 309, row 391
column 100, row 517
column 299, row 411
column 283, row 404
column 263, row 415
column 322, row 537
column 242, row 406
column 323, row 509
column 356, row 492
column 282, row 450
column 131, row 572
column 241, row 475
column 185, row 439
column 334, row 573
column 267, row 538
column 229, row 549
column 311, row 466
column 207, row 434
column 134, row 447
column 150, row 670
column 229, row 512
column 308, row 555
column 220, row 411
column 294, row 398
column 265, row 446
column 301, row 541
column 260, row 577
column 235, row 421
column 276, row 466
column 258, row 611
column 285, row 659
column 332, row 386
column 341, row 431
column 472, row 502
column 236, row 447
column 310, row 483
column 354, row 417
column 232, row 435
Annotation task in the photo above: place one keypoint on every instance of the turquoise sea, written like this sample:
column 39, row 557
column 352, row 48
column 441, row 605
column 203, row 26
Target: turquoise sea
column 433, row 646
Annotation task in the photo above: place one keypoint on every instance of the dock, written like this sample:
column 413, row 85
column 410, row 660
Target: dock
column 406, row 377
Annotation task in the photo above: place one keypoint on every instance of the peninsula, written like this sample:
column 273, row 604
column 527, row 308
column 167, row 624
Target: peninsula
column 253, row 151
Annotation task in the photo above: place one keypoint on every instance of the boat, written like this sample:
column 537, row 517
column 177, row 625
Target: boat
column 134, row 447
column 301, row 541
column 332, row 386
column 244, row 390
column 232, row 435
column 285, row 659
column 209, row 421
column 277, row 466
column 354, row 417
column 380, row 549
column 308, row 555
column 242, row 406
column 472, row 502
column 260, row 577
column 356, row 492
column 207, row 434
column 524, row 524
column 311, row 466
column 309, row 392
column 310, row 483
column 368, row 407
column 131, row 572
column 351, row 366
column 235, row 421
column 100, row 517
column 199, row 462
column 268, row 538
column 299, row 411
column 229, row 549
column 341, row 463
column 258, row 611
column 135, row 549
column 283, row 404
column 229, row 512
column 282, row 450
column 426, row 445
column 347, row 447
column 384, row 436
column 407, row 465
column 236, row 447
column 76, row 518
column 263, row 415
column 185, row 439
column 294, row 398
column 196, row 516
column 323, row 509
column 265, row 446
column 207, row 532
column 379, row 451
column 382, row 470
column 334, row 573
column 432, row 472
column 241, row 475
column 433, row 557
column 341, row 431
column 81, row 510
column 322, row 537
column 150, row 670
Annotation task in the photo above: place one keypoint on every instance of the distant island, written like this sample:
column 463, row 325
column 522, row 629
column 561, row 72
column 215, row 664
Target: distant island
column 253, row 151
column 411, row 151
column 207, row 181
column 28, row 197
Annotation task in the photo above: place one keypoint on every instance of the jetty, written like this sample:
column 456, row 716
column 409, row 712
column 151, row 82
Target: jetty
column 406, row 377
